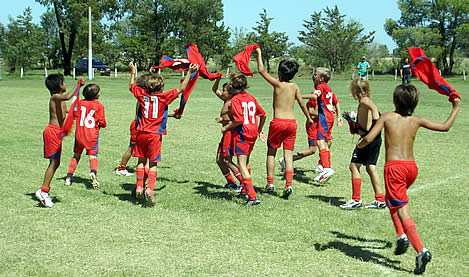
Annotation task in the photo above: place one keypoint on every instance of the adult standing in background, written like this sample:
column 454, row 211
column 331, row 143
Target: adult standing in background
column 405, row 71
column 362, row 67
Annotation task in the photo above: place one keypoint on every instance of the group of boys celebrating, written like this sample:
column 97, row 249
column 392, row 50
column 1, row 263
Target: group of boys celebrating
column 242, row 120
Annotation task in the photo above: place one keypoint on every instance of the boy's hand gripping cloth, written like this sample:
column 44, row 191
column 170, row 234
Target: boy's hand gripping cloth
column 424, row 69
column 242, row 59
column 72, row 112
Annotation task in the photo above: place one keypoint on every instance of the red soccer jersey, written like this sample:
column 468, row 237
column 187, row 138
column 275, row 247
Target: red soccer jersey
column 326, row 102
column 312, row 103
column 245, row 109
column 90, row 120
column 152, row 114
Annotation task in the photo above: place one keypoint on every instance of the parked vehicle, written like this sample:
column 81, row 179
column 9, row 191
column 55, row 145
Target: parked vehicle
column 98, row 66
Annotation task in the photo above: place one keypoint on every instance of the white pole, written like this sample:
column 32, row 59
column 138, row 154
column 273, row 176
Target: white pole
column 464, row 74
column 74, row 73
column 21, row 73
column 227, row 72
column 45, row 72
column 115, row 72
column 373, row 74
column 90, row 50
column 395, row 74
column 136, row 71
column 159, row 71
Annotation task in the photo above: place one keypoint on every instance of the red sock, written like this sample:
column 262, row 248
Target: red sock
column 72, row 166
column 411, row 231
column 325, row 155
column 145, row 175
column 45, row 189
column 397, row 222
column 94, row 164
column 151, row 180
column 270, row 180
column 288, row 178
column 379, row 197
column 238, row 176
column 140, row 172
column 249, row 170
column 356, row 188
column 121, row 167
column 229, row 178
column 249, row 188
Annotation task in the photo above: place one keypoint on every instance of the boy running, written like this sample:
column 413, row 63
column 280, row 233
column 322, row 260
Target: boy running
column 52, row 135
column 282, row 129
column 246, row 129
column 400, row 170
column 152, row 117
column 90, row 120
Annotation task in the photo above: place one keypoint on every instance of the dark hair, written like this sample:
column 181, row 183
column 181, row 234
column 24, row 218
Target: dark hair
column 238, row 83
column 53, row 82
column 287, row 69
column 224, row 85
column 405, row 99
column 90, row 91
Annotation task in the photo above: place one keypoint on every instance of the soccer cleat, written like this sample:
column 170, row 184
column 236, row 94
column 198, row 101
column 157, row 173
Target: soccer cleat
column 238, row 190
column 319, row 169
column 287, row 192
column 230, row 186
column 252, row 202
column 123, row 172
column 139, row 193
column 68, row 181
column 44, row 198
column 269, row 188
column 376, row 205
column 243, row 196
column 421, row 261
column 402, row 243
column 351, row 204
column 281, row 161
column 94, row 180
column 150, row 198
column 324, row 175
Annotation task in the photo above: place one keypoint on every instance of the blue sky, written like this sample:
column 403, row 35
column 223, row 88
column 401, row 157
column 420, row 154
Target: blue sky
column 288, row 15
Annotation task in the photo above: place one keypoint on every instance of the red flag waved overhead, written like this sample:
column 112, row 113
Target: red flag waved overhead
column 194, row 57
column 424, row 69
column 242, row 59
column 72, row 112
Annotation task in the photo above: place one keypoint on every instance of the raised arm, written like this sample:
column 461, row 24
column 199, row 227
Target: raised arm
column 69, row 95
column 373, row 132
column 260, row 67
column 192, row 68
column 445, row 126
column 132, row 69
column 215, row 89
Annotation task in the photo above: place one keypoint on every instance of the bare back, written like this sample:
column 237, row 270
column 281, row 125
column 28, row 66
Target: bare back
column 57, row 112
column 285, row 95
column 400, row 132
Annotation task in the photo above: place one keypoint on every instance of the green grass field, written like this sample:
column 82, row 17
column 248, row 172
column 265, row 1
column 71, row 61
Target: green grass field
column 197, row 229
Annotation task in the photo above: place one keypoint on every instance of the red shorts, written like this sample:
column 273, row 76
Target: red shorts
column 226, row 144
column 325, row 129
column 52, row 137
column 242, row 146
column 133, row 132
column 148, row 145
column 91, row 147
column 312, row 131
column 282, row 131
column 398, row 176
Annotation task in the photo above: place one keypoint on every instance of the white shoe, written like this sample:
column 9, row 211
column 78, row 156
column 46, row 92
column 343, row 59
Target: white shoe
column 45, row 199
column 281, row 161
column 94, row 180
column 376, row 205
column 68, row 181
column 319, row 169
column 324, row 175
column 123, row 172
column 351, row 204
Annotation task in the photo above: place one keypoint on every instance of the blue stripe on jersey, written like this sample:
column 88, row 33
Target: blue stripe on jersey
column 322, row 117
column 163, row 122
column 396, row 203
column 55, row 156
column 139, row 115
column 158, row 159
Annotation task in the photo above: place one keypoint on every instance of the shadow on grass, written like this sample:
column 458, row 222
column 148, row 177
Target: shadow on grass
column 202, row 188
column 300, row 176
column 79, row 180
column 332, row 200
column 39, row 205
column 361, row 252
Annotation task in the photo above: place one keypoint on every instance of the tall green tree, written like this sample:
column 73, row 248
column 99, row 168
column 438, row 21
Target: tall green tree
column 71, row 15
column 438, row 26
column 333, row 40
column 273, row 44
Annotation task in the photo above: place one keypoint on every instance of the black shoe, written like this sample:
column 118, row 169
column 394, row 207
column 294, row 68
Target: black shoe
column 401, row 246
column 252, row 202
column 287, row 192
column 269, row 188
column 421, row 261
column 243, row 196
column 230, row 186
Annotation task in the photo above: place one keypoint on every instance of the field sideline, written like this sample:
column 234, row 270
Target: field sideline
column 197, row 229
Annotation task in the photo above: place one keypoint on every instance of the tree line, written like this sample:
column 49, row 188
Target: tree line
column 144, row 30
